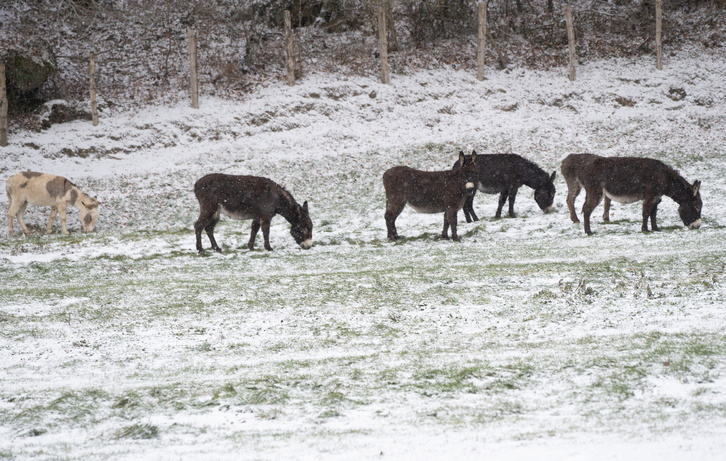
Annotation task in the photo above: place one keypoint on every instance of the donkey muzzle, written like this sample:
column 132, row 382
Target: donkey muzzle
column 549, row 209
column 306, row 244
column 695, row 224
column 470, row 185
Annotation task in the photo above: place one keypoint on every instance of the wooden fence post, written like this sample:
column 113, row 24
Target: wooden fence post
column 482, row 40
column 92, row 84
column 571, row 43
column 658, row 30
column 3, row 108
column 383, row 44
column 290, row 50
column 193, row 81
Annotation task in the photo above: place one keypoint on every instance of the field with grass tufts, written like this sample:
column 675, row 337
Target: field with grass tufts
column 526, row 340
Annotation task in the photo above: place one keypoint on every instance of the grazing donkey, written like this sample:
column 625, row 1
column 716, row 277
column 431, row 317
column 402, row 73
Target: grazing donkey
column 249, row 197
column 504, row 174
column 571, row 168
column 630, row 179
column 42, row 189
column 430, row 192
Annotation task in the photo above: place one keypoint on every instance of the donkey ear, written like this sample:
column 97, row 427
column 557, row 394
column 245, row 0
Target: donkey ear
column 696, row 187
column 552, row 178
column 305, row 206
column 462, row 157
column 473, row 152
column 473, row 156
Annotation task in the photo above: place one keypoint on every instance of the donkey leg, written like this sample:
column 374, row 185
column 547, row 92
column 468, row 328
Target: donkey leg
column 13, row 209
column 53, row 212
column 62, row 217
column 198, row 234
column 391, row 225
column 206, row 222
column 592, row 200
column 450, row 218
column 653, row 223
column 198, row 226
column 11, row 231
column 265, row 224
column 393, row 209
column 606, row 209
column 650, row 211
column 512, row 198
column 572, row 192
column 469, row 213
column 210, row 233
column 21, row 218
column 502, row 201
column 445, row 232
column 253, row 233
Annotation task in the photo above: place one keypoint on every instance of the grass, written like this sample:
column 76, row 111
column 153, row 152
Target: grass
column 525, row 330
column 480, row 334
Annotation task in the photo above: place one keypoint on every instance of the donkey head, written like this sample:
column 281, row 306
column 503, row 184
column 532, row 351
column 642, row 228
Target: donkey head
column 690, row 209
column 545, row 194
column 302, row 228
column 89, row 213
column 469, row 172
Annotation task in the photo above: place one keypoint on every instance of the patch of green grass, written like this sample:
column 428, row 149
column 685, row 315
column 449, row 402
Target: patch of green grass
column 137, row 431
column 448, row 379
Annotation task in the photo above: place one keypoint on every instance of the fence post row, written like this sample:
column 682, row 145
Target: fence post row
column 571, row 43
column 482, row 40
column 383, row 45
column 92, row 84
column 193, row 81
column 382, row 49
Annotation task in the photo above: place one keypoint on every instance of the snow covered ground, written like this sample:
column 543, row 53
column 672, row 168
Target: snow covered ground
column 526, row 340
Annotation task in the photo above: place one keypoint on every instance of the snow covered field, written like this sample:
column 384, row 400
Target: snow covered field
column 527, row 340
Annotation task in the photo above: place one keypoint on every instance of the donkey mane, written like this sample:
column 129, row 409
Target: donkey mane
column 539, row 176
column 291, row 206
column 678, row 187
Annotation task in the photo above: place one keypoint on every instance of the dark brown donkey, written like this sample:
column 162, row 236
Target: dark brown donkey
column 430, row 192
column 249, row 197
column 571, row 168
column 629, row 179
column 504, row 174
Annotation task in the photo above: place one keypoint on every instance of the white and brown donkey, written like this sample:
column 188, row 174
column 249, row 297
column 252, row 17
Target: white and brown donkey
column 42, row 189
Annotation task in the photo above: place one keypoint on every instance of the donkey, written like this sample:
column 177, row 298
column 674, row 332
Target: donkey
column 630, row 179
column 571, row 168
column 42, row 189
column 249, row 197
column 430, row 192
column 504, row 174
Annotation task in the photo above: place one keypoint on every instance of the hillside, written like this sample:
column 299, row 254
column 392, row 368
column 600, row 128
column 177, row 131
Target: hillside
column 527, row 338
column 141, row 48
